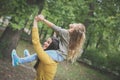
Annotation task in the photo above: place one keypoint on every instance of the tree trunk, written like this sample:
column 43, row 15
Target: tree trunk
column 9, row 41
column 87, row 23
column 10, row 37
column 39, row 3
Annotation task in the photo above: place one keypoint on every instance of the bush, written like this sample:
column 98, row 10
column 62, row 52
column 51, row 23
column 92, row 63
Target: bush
column 102, row 60
column 97, row 58
column 114, row 62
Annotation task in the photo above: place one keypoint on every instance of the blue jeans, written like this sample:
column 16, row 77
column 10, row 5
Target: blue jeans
column 52, row 53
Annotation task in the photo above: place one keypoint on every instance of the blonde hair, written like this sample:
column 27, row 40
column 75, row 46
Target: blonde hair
column 77, row 39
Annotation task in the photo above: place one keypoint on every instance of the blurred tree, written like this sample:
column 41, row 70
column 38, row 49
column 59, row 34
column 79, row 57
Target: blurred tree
column 20, row 12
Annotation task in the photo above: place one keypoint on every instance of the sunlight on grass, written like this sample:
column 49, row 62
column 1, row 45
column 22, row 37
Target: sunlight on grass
column 24, row 45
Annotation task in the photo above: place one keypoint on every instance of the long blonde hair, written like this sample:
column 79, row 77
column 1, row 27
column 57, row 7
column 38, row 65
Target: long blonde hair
column 77, row 39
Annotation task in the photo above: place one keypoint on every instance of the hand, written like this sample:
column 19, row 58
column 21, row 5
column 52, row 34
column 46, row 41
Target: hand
column 40, row 17
column 36, row 19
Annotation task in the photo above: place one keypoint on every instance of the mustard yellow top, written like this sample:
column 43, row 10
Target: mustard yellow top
column 47, row 67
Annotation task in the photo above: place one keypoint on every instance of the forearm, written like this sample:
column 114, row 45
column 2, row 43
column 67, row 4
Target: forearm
column 35, row 24
column 48, row 23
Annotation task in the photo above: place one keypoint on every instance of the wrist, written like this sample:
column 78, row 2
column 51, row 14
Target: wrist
column 35, row 23
column 43, row 20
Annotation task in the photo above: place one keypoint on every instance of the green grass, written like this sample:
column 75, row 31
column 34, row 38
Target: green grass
column 67, row 71
column 77, row 71
column 24, row 45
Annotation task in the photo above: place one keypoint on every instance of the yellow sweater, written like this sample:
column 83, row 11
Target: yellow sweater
column 47, row 67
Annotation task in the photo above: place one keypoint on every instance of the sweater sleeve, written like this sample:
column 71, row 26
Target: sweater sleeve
column 44, row 58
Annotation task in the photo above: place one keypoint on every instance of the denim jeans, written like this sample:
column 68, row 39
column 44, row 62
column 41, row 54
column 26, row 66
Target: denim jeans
column 52, row 53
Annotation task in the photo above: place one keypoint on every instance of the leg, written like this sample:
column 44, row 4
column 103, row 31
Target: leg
column 26, row 53
column 27, row 59
column 16, row 60
column 54, row 55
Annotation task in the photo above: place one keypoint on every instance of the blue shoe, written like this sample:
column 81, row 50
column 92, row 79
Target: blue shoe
column 15, row 58
column 26, row 53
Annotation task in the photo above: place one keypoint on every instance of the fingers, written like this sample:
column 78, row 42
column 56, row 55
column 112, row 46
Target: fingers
column 36, row 18
column 41, row 17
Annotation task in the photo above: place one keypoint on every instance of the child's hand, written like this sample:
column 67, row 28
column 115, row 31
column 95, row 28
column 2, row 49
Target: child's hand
column 40, row 17
column 36, row 18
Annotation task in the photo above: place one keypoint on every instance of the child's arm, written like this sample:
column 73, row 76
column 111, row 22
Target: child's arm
column 48, row 23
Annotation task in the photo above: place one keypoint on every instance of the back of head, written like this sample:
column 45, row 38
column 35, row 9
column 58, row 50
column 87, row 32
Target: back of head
column 77, row 39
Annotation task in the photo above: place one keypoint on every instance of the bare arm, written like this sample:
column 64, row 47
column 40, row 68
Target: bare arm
column 35, row 22
column 41, row 18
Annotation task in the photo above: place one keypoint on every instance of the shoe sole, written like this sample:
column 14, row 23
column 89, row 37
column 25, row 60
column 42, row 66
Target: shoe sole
column 26, row 53
column 12, row 55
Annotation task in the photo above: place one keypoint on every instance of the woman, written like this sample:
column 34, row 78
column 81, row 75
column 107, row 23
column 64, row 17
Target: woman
column 47, row 66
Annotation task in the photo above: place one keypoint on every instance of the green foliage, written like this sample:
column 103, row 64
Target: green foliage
column 102, row 45
column 114, row 62
column 104, row 36
column 97, row 57
column 66, row 11
column 19, row 10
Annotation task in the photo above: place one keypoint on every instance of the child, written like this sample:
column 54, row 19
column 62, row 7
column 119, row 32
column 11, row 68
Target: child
column 70, row 41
